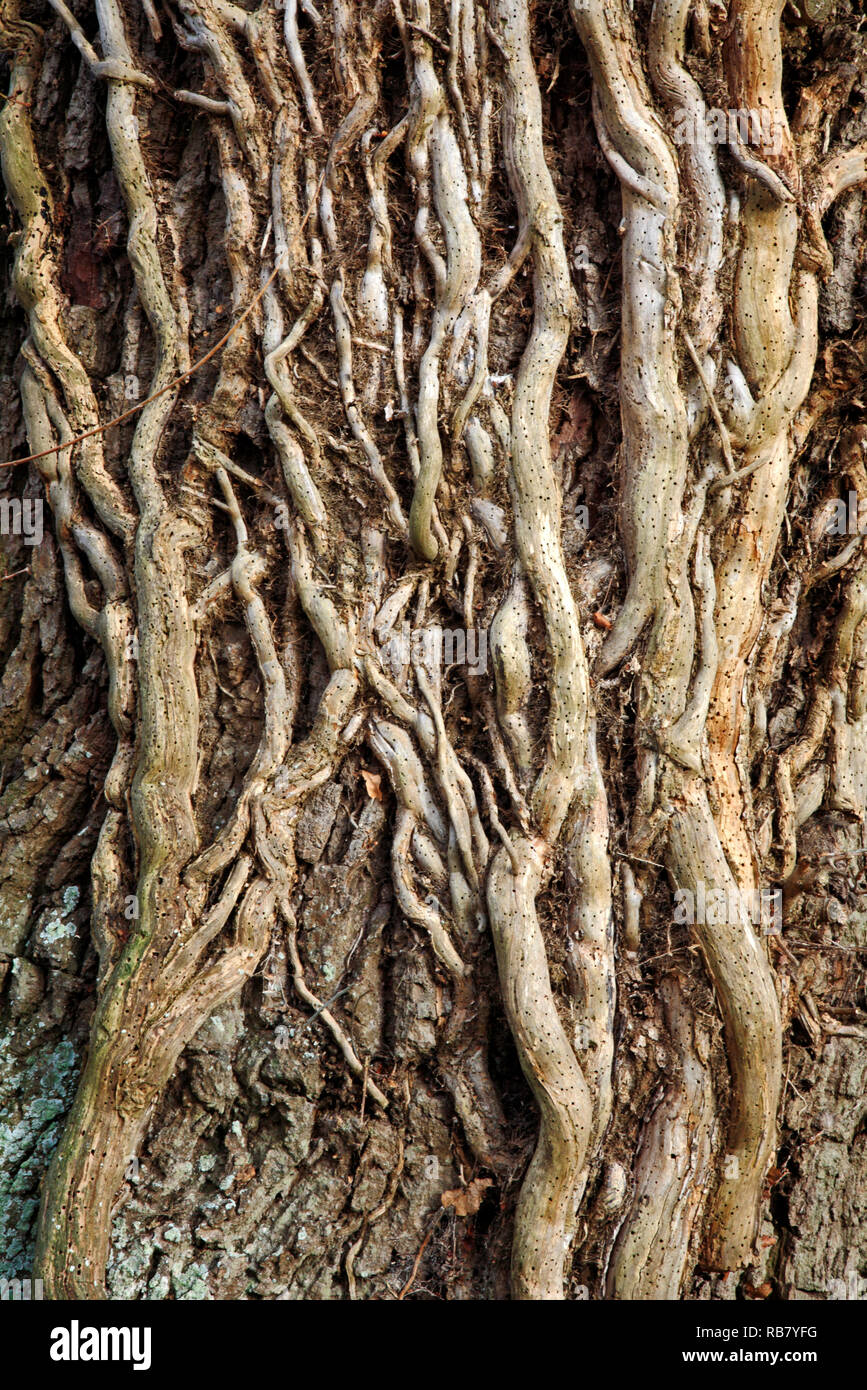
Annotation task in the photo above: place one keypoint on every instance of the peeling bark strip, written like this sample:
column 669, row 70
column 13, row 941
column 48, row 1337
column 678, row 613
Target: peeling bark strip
column 328, row 867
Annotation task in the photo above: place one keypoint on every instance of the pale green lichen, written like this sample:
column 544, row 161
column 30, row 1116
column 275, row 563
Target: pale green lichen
column 56, row 929
column 71, row 896
column 127, row 1275
column 36, row 1089
column 191, row 1283
column 159, row 1286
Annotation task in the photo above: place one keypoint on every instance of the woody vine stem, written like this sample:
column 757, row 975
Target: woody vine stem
column 415, row 473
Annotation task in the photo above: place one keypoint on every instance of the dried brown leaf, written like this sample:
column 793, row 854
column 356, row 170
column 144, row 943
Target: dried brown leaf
column 372, row 780
column 466, row 1200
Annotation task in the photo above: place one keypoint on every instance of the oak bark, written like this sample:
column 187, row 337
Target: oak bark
column 434, row 712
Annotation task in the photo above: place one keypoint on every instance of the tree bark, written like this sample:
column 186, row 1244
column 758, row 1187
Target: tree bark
column 434, row 725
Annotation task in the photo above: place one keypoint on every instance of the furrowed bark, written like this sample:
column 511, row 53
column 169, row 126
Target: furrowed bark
column 448, row 437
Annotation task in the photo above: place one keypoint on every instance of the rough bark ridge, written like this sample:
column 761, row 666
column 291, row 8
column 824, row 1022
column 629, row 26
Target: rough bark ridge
column 338, row 810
